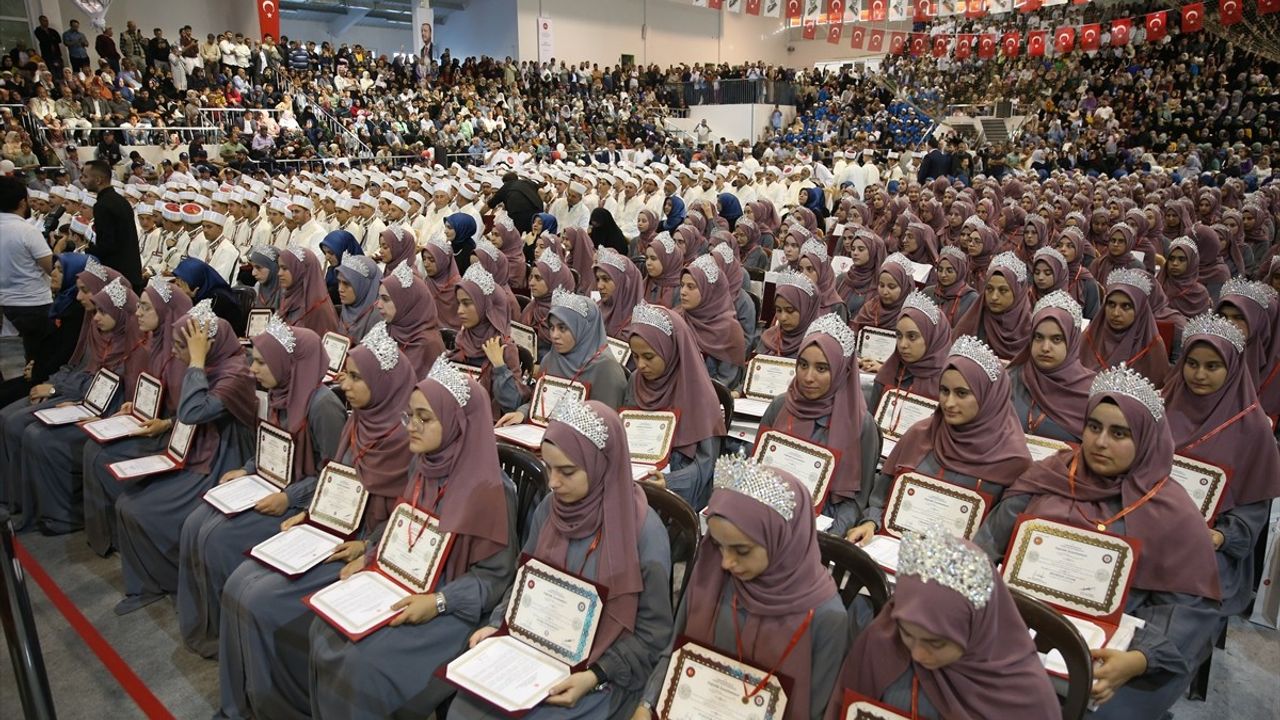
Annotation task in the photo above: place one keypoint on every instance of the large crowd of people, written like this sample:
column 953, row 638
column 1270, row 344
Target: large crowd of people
column 1079, row 329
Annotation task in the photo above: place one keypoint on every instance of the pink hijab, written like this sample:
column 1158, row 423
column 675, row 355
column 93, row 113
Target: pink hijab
column 306, row 302
column 874, row 313
column 628, row 290
column 444, row 284
column 513, row 250
column 229, row 381
column 803, row 296
column 415, row 327
column 927, row 371
column 667, row 284
column 170, row 304
column 121, row 344
column 299, row 373
column 1186, row 294
column 1139, row 346
column 374, row 436
column 713, row 321
column 582, row 253
column 684, row 383
column 1009, row 332
column 402, row 244
column 1063, row 392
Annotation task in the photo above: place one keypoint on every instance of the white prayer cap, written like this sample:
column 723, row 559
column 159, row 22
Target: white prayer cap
column 187, row 195
column 398, row 202
column 202, row 201
column 208, row 186
column 78, row 226
column 442, row 186
column 577, row 187
column 143, row 209
column 216, row 218
column 171, row 211
column 466, row 192
column 346, row 203
column 303, row 202
column 630, row 180
column 221, row 197
column 281, row 205
column 358, row 181
column 37, row 195
column 417, row 197
column 192, row 213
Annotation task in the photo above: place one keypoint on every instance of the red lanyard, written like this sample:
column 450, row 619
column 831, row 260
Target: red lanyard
column 1102, row 363
column 413, row 501
column 1102, row 524
column 749, row 693
column 1034, row 424
column 352, row 442
column 1209, row 435
column 595, row 543
column 915, row 696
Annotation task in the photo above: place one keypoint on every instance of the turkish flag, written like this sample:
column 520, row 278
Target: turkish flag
column 964, row 44
column 1090, row 36
column 924, row 10
column 795, row 9
column 1230, row 12
column 1009, row 43
column 878, row 10
column 1027, row 5
column 940, row 43
column 1156, row 26
column 810, row 29
column 987, row 46
column 715, row 4
column 1266, row 7
column 1036, row 41
column 857, row 37
column 835, row 11
column 897, row 43
column 919, row 43
column 875, row 42
column 269, row 18
column 975, row 9
column 1193, row 17
column 1121, row 31
column 1064, row 38
column 753, row 7
column 833, row 33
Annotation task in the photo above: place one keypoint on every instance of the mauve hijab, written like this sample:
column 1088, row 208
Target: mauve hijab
column 513, row 250
column 91, row 280
column 776, row 601
column 990, row 244
column 713, row 321
column 861, row 279
column 555, row 274
column 802, row 296
column 1174, row 558
column 1057, row 265
column 1106, row 262
column 364, row 277
column 1078, row 273
column 298, row 373
column 415, row 327
column 1213, row 270
column 842, row 404
column 1009, row 332
column 444, row 283
column 170, row 304
column 765, row 215
column 1139, row 346
column 121, row 344
column 999, row 674
column 614, row 507
column 463, row 477
column 927, row 371
column 230, row 382
column 1063, row 392
column 375, row 435
column 494, row 321
column 582, row 254
column 1186, row 293
column 1258, row 356
column 306, row 303
column 815, row 251
column 684, row 382
column 401, row 244
column 628, row 290
column 491, row 259
column 695, row 245
column 926, row 252
column 667, row 284
column 874, row 312
column 990, row 447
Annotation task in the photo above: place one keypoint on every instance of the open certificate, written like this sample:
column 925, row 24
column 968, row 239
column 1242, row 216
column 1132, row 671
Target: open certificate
column 549, row 391
column 860, row 707
column 335, row 349
column 649, row 437
column 96, row 400
column 525, row 337
column 274, row 461
column 235, row 496
column 919, row 503
column 620, row 350
column 547, row 633
column 877, row 343
column 702, row 683
column 1043, row 447
column 1205, row 483
column 257, row 323
column 812, row 464
column 768, row 376
column 334, row 515
column 897, row 412
column 146, row 406
column 175, row 455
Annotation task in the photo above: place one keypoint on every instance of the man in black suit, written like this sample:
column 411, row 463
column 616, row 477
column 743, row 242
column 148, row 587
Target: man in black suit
column 934, row 165
column 520, row 198
column 115, row 240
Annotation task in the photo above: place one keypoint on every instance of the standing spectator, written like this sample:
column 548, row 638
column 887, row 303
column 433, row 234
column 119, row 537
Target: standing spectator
column 25, row 265
column 77, row 46
column 158, row 50
column 133, row 45
column 520, row 198
column 210, row 53
column 105, row 45
column 115, row 240
column 299, row 58
column 50, row 42
column 109, row 149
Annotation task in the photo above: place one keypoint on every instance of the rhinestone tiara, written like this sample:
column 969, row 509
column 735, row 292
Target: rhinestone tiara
column 203, row 314
column 451, row 379
column 162, row 287
column 1124, row 380
column 115, row 291
column 668, row 243
column 579, row 416
column 968, row 346
column 1187, row 244
column 488, row 248
column 798, row 280
column 404, row 275
column 919, row 301
column 352, row 262
column 815, row 248
column 270, row 251
column 647, row 314
column 900, row 260
column 1131, row 277
column 1012, row 263
column 440, row 241
column 580, row 304
column 953, row 251
column 724, row 252
column 758, row 482
column 708, row 267
column 551, row 260
column 282, row 333
column 481, row 278
column 1061, row 300
column 382, row 346
column 95, row 268
column 298, row 252
column 831, row 325
column 1052, row 254
column 1215, row 325
column 612, row 258
column 1259, row 292
column 936, row 556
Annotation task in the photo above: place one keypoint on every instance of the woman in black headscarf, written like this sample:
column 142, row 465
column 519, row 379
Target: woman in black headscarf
column 605, row 232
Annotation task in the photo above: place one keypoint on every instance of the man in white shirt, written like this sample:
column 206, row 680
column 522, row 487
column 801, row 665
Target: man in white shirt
column 26, row 262
column 632, row 204
column 223, row 255
column 150, row 242
column 440, row 207
column 307, row 232
column 576, row 214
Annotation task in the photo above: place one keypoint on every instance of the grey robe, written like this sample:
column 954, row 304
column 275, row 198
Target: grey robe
column 213, row 545
column 688, row 477
column 953, row 308
column 929, row 466
column 605, row 378
column 50, row 472
column 746, row 313
column 101, row 488
column 1022, row 407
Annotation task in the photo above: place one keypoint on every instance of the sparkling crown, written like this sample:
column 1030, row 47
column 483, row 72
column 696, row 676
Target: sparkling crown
column 298, row 252
column 1052, row 254
column 1259, row 292
column 900, row 260
column 269, row 251
column 968, row 346
column 579, row 416
column 612, row 258
column 668, row 243
column 708, row 267
column 404, row 275
column 1131, row 277
column 1012, row 263
column 831, row 324
column 936, row 556
column 724, row 252
column 353, row 262
column 162, row 287
column 382, row 346
column 815, row 248
column 1215, row 325
column 551, row 260
column 795, row 279
column 440, row 241
column 451, row 379
column 647, row 314
column 95, row 268
column 953, row 252
column 283, row 334
column 577, row 303
column 488, row 248
column 1123, row 380
column 401, row 232
column 1062, row 300
column 115, row 291
column 1187, row 244
column 505, row 223
column 480, row 278
column 921, row 302
column 758, row 482
column 203, row 314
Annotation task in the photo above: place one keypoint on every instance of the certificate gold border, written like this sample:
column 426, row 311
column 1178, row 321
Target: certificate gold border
column 963, row 494
column 653, row 416
column 1048, row 443
column 266, row 428
column 870, row 330
column 1117, row 587
column 692, row 653
column 534, row 568
column 326, row 341
column 148, row 379
column 331, row 472
column 756, row 362
column 572, row 386
column 883, row 408
column 828, row 458
column 1209, row 507
column 621, row 350
column 256, row 323
column 435, row 558
column 524, row 336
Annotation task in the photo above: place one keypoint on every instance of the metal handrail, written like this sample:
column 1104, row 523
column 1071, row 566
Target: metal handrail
column 20, row 630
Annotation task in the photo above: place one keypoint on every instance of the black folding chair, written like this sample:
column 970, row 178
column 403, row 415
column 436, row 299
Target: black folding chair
column 726, row 402
column 683, row 530
column 530, row 476
column 1055, row 632
column 853, row 571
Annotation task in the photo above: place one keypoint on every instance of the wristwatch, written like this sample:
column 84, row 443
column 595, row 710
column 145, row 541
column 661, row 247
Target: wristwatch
column 441, row 605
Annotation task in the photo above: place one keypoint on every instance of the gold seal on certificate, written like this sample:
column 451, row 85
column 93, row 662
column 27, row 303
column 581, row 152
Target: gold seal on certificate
column 1203, row 481
column 335, row 349
column 337, row 507
column 649, row 436
column 274, row 472
column 1042, row 447
column 860, row 707
column 768, row 376
column 620, row 349
column 812, row 464
column 173, row 458
column 919, row 503
column 96, row 400
column 877, row 344
column 525, row 337
column 699, row 679
column 897, row 412
column 146, row 406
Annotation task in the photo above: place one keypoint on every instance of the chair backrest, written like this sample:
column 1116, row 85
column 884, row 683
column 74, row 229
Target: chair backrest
column 726, row 402
column 523, row 300
column 450, row 337
column 526, row 363
column 853, row 570
column 530, row 476
column 1055, row 632
column 683, row 530
column 246, row 296
column 755, row 301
